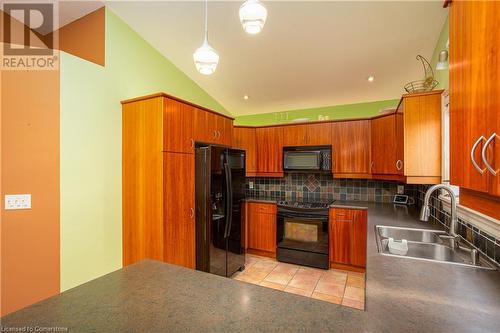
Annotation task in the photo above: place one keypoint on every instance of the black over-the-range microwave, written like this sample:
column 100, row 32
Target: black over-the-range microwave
column 317, row 158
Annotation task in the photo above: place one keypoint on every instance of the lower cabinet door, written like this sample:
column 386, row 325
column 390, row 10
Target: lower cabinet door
column 348, row 237
column 340, row 241
column 261, row 228
column 179, row 217
column 358, row 248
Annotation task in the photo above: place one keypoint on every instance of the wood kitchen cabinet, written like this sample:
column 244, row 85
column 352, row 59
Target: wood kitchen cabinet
column 244, row 138
column 406, row 144
column 316, row 134
column 351, row 149
column 269, row 143
column 225, row 130
column 474, row 104
column 158, row 137
column 294, row 135
column 319, row 134
column 142, row 179
column 210, row 127
column 178, row 121
column 385, row 155
column 178, row 207
column 421, row 115
column 348, row 236
column 261, row 228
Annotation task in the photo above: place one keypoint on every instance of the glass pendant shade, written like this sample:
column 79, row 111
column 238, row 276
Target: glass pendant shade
column 253, row 16
column 205, row 59
column 442, row 61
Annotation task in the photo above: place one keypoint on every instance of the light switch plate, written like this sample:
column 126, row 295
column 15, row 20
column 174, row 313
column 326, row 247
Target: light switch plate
column 401, row 189
column 17, row 201
column 250, row 185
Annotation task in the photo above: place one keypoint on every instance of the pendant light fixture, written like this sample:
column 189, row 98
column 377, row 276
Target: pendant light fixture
column 205, row 57
column 253, row 16
column 443, row 58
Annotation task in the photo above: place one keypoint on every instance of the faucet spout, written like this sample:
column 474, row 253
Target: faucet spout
column 425, row 212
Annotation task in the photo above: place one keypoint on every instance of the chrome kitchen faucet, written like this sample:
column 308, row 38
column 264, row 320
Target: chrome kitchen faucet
column 426, row 211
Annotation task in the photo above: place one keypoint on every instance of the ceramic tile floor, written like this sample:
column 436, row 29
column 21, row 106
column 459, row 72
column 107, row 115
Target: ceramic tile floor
column 334, row 286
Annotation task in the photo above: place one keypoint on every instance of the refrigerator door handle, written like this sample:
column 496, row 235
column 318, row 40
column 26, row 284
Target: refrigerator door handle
column 229, row 200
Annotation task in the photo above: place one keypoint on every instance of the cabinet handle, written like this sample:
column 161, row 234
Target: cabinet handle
column 215, row 134
column 472, row 151
column 191, row 212
column 218, row 133
column 483, row 155
column 192, row 143
column 372, row 164
column 399, row 165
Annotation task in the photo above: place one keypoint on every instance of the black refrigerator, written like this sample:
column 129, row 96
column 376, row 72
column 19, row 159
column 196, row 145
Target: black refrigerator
column 220, row 189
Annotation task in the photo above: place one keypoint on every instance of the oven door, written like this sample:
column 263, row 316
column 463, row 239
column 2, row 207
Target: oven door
column 302, row 232
column 301, row 160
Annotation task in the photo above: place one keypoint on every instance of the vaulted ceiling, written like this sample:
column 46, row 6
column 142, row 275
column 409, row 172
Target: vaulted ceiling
column 310, row 54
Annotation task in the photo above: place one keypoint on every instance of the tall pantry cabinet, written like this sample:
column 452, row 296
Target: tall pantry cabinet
column 158, row 140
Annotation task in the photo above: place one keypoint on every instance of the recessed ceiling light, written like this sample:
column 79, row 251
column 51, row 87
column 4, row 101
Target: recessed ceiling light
column 371, row 78
column 245, row 97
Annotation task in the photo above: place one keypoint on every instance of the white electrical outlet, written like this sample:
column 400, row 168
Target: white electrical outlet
column 250, row 185
column 18, row 201
column 401, row 189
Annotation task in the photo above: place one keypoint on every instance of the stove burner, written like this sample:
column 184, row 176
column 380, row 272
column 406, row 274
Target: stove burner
column 305, row 205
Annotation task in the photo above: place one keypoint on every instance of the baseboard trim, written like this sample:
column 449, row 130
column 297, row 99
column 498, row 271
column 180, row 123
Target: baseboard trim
column 262, row 253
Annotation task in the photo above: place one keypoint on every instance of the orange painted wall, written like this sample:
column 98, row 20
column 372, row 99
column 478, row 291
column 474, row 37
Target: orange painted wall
column 29, row 164
column 84, row 37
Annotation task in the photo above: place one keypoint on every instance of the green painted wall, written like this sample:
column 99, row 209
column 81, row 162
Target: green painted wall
column 348, row 111
column 91, row 144
column 442, row 76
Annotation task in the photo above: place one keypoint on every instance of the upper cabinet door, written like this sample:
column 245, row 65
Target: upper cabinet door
column 384, row 145
column 244, row 138
column 226, row 130
column 351, row 147
column 491, row 59
column 472, row 69
column 400, row 137
column 269, row 142
column 295, row 135
column 178, row 125
column 205, row 125
column 307, row 135
column 319, row 134
column 422, row 135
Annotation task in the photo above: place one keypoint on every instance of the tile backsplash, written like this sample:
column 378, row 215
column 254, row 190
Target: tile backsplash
column 310, row 186
column 484, row 242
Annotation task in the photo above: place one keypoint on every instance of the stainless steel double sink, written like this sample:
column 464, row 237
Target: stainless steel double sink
column 430, row 245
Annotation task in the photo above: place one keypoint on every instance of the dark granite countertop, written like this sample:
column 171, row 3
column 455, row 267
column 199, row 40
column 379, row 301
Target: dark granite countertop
column 402, row 295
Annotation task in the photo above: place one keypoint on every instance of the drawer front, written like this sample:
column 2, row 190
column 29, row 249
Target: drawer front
column 263, row 208
column 338, row 214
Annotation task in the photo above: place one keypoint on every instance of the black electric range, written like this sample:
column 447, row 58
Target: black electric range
column 302, row 233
